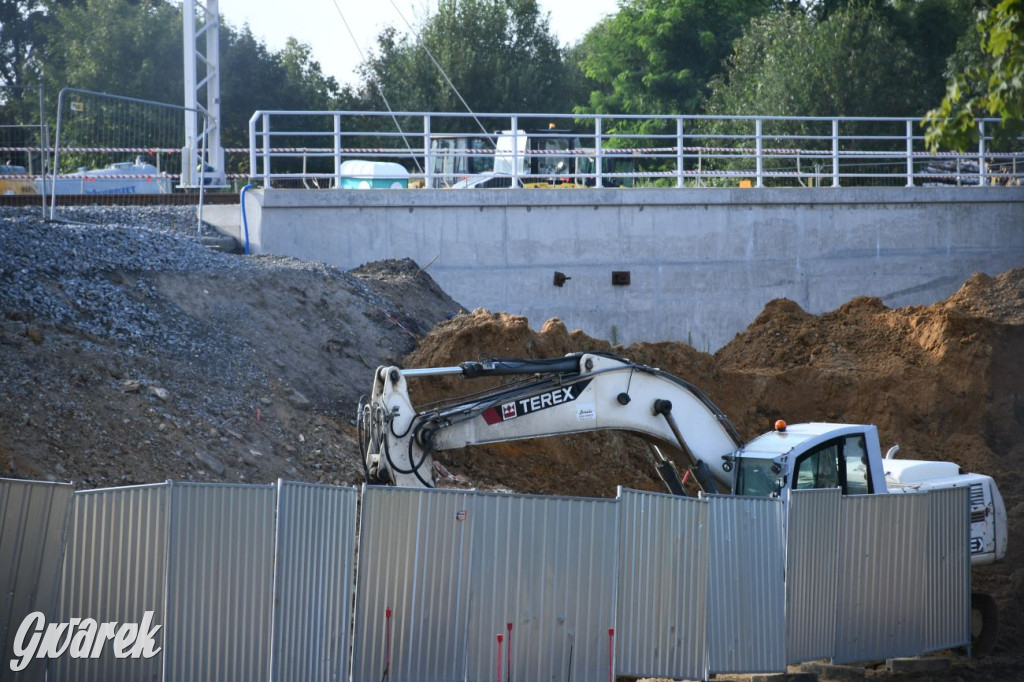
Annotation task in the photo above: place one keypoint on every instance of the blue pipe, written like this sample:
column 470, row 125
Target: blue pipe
column 245, row 222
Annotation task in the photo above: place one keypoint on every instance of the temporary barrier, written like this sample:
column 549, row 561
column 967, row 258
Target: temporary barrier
column 746, row 585
column 812, row 546
column 903, row 589
column 220, row 570
column 110, row 145
column 411, row 593
column 947, row 594
column 663, row 577
column 255, row 582
column 313, row 574
column 543, row 576
column 33, row 518
column 115, row 569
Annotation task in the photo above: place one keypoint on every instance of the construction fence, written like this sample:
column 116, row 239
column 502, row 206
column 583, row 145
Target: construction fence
column 271, row 582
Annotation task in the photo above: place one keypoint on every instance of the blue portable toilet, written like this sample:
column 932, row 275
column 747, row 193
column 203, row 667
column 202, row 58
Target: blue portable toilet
column 357, row 174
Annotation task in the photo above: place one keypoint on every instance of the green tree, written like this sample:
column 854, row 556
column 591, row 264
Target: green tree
column 850, row 64
column 255, row 78
column 994, row 86
column 114, row 46
column 658, row 56
column 500, row 55
column 790, row 64
column 18, row 19
column 932, row 30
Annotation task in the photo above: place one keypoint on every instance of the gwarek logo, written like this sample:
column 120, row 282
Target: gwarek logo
column 82, row 638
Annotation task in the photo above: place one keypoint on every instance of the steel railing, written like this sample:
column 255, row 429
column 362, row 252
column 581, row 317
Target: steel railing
column 310, row 149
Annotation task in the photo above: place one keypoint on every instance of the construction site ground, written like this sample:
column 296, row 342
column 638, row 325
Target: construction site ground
column 260, row 362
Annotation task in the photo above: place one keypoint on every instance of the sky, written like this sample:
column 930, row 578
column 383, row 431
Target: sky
column 318, row 23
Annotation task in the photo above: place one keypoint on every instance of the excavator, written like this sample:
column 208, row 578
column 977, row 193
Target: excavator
column 583, row 392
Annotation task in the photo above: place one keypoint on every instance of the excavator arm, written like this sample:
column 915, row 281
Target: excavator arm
column 573, row 394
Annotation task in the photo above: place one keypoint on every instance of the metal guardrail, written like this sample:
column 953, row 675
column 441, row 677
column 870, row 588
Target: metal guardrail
column 309, row 149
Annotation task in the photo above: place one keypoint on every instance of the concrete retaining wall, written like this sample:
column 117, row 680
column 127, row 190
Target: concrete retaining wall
column 702, row 262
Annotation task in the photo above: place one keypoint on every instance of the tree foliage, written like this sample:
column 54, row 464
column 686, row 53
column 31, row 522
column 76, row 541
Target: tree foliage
column 113, row 46
column 18, row 19
column 853, row 63
column 658, row 56
column 133, row 48
column 499, row 55
column 993, row 86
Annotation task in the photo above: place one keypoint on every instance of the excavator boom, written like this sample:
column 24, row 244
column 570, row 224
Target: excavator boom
column 573, row 394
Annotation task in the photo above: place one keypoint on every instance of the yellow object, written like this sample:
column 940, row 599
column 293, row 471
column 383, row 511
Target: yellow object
column 746, row 183
column 13, row 180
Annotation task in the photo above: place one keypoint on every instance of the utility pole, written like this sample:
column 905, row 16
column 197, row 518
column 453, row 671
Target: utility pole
column 202, row 72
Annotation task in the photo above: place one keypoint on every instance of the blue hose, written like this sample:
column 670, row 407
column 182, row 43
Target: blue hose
column 245, row 222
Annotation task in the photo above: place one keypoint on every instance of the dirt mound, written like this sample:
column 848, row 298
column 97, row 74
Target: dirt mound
column 943, row 380
column 280, row 352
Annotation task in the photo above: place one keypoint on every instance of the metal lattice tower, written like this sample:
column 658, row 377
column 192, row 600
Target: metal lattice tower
column 202, row 73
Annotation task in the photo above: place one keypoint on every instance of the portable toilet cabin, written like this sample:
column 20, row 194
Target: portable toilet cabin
column 357, row 174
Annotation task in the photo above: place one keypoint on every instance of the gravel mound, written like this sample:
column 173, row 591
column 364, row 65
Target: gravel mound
column 130, row 352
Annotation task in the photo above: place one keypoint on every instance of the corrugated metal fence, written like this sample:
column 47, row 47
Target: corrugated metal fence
column 33, row 519
column 256, row 582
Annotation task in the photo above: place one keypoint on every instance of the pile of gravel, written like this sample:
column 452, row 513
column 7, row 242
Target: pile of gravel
column 91, row 272
column 76, row 274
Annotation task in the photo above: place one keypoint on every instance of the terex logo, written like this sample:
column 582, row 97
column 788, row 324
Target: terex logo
column 534, row 403
column 82, row 638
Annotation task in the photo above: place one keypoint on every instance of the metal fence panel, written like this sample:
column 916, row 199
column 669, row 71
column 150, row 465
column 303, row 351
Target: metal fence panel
column 115, row 570
column 219, row 582
column 663, row 547
column 812, row 550
column 313, row 576
column 746, row 597
column 414, row 562
column 546, row 567
column 948, row 591
column 882, row 569
column 33, row 520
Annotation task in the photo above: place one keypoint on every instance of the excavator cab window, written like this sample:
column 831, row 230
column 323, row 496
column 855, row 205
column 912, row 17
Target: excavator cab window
column 818, row 468
column 840, row 463
column 758, row 477
column 855, row 458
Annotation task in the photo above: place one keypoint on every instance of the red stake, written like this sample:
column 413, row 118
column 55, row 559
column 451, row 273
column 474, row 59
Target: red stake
column 508, row 672
column 499, row 657
column 387, row 644
column 611, row 655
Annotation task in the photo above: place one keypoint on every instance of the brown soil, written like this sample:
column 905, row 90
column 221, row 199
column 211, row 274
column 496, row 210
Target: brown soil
column 944, row 381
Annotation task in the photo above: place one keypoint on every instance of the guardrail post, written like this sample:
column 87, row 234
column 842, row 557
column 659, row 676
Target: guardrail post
column 515, row 149
column 758, row 130
column 428, row 157
column 680, row 157
column 981, row 153
column 598, row 150
column 835, row 152
column 252, row 146
column 910, row 153
column 266, row 151
column 337, row 151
